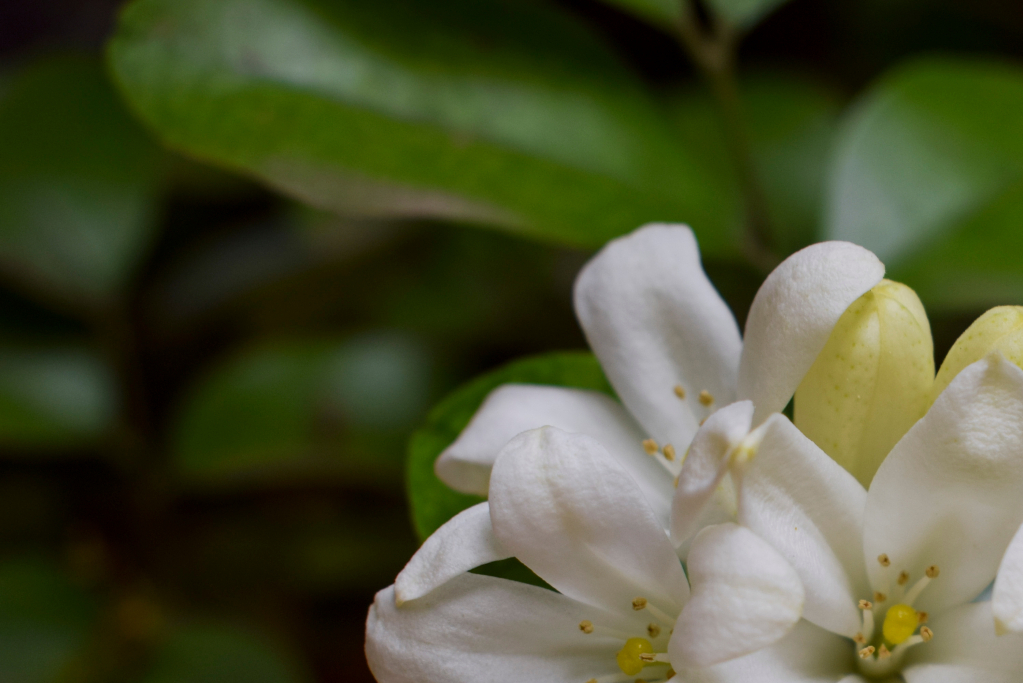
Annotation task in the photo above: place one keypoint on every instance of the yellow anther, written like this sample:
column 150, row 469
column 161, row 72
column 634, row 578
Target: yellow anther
column 922, row 616
column 586, row 626
column 650, row 446
column 669, row 451
column 926, row 633
column 879, row 596
column 883, row 653
column 932, row 572
column 628, row 657
column 900, row 623
column 859, row 639
column 884, row 560
column 903, row 578
column 638, row 604
column 653, row 630
column 865, row 605
column 679, row 391
column 866, row 652
column 706, row 398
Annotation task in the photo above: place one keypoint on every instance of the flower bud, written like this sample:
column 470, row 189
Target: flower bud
column 871, row 381
column 999, row 329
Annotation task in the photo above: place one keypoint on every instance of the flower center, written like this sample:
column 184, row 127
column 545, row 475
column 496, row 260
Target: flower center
column 638, row 653
column 881, row 654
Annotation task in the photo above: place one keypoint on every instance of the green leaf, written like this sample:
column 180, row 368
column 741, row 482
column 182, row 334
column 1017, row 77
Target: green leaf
column 291, row 407
column 78, row 181
column 432, row 502
column 744, row 13
column 219, row 653
column 791, row 123
column 44, row 621
column 664, row 13
column 54, row 397
column 928, row 174
column 504, row 113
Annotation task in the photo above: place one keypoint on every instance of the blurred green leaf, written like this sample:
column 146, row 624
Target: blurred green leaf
column 78, row 181
column 432, row 502
column 791, row 122
column 287, row 407
column 928, row 173
column 52, row 397
column 44, row 621
column 217, row 653
column 664, row 13
column 744, row 13
column 503, row 113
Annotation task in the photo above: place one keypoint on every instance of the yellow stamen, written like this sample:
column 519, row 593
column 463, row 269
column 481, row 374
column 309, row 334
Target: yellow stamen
column 706, row 398
column 884, row 560
column 900, row 623
column 653, row 630
column 650, row 446
column 903, row 578
column 866, row 652
column 586, row 626
column 879, row 596
column 926, row 633
column 669, row 451
column 638, row 604
column 628, row 657
column 679, row 391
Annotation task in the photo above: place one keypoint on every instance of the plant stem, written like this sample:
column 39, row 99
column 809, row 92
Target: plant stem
column 714, row 53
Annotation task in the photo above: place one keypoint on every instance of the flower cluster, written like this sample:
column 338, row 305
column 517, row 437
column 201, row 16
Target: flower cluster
column 695, row 532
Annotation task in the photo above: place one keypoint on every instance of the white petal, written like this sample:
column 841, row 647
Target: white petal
column 965, row 649
column 572, row 514
column 512, row 409
column 949, row 492
column 705, row 466
column 807, row 655
column 480, row 628
column 745, row 596
column 811, row 510
column 792, row 317
column 464, row 542
column 1007, row 597
column 656, row 322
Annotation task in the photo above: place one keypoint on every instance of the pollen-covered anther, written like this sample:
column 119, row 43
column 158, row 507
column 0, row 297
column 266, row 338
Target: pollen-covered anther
column 932, row 572
column 922, row 617
column 586, row 626
column 865, row 605
column 879, row 596
column 651, row 657
column 884, row 560
column 866, row 652
column 706, row 398
column 669, row 451
column 859, row 639
column 653, row 630
column 883, row 653
column 903, row 578
column 679, row 391
column 650, row 446
column 638, row 604
column 926, row 633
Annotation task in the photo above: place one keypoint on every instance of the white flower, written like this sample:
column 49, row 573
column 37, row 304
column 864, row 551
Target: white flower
column 671, row 348
column 890, row 574
column 570, row 512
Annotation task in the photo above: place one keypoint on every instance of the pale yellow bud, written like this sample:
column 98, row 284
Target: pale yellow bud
column 999, row 329
column 871, row 381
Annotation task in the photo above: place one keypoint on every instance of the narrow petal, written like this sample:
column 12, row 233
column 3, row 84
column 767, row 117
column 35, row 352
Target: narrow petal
column 465, row 542
column 480, row 628
column 512, row 409
column 949, row 493
column 808, row 654
column 792, row 317
column 745, row 596
column 705, row 465
column 572, row 514
column 659, row 327
column 1007, row 597
column 965, row 649
column 811, row 510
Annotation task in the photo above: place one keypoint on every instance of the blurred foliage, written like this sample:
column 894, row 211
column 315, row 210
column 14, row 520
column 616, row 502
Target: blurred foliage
column 240, row 261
